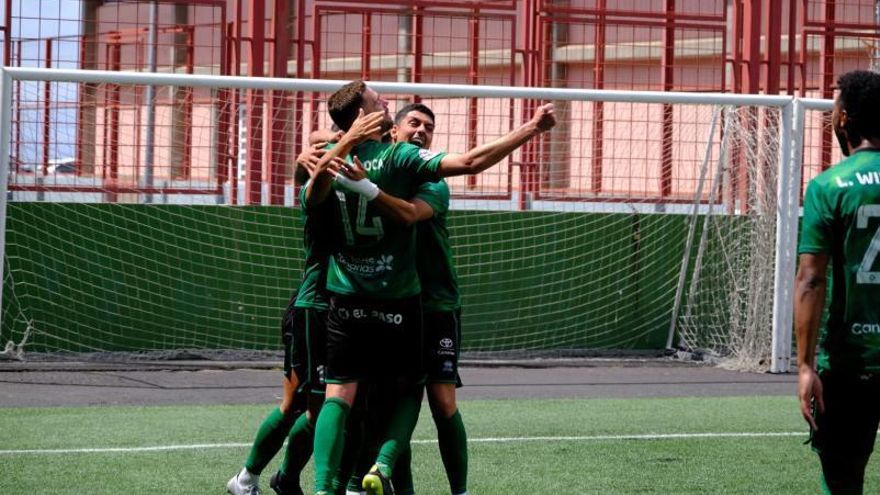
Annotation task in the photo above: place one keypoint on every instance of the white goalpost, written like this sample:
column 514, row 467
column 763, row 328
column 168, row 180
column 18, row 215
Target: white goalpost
column 648, row 220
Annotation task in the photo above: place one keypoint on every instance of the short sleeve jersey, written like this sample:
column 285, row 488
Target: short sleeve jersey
column 317, row 246
column 434, row 261
column 842, row 219
column 376, row 258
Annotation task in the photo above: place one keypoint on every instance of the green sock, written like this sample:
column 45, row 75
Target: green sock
column 452, row 438
column 299, row 448
column 402, row 423
column 329, row 442
column 270, row 438
column 403, row 481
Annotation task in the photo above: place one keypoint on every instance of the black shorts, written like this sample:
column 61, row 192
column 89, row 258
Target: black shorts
column 848, row 427
column 305, row 351
column 443, row 346
column 374, row 339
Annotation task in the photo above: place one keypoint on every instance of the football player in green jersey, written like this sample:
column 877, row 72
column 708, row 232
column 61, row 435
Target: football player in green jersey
column 303, row 336
column 374, row 322
column 839, row 389
column 441, row 302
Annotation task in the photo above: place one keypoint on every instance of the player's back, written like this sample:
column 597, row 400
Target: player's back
column 842, row 219
column 376, row 258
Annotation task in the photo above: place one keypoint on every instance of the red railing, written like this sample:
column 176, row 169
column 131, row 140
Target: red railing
column 751, row 46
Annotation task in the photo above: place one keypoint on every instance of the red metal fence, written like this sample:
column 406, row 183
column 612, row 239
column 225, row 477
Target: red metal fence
column 749, row 46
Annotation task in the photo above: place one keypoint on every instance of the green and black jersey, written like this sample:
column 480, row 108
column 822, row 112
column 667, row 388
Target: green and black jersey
column 318, row 242
column 376, row 258
column 434, row 260
column 842, row 219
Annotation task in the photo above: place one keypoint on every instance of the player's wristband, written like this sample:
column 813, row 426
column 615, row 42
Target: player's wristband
column 364, row 187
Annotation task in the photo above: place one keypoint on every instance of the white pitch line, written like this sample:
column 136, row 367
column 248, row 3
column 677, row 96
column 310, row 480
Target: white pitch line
column 123, row 450
column 648, row 436
column 589, row 438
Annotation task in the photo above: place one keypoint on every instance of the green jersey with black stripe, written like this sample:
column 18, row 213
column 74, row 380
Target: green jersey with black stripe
column 434, row 261
column 375, row 257
column 318, row 243
column 842, row 220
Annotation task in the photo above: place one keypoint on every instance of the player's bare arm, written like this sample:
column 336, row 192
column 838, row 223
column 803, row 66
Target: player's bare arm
column 365, row 127
column 809, row 300
column 484, row 156
column 353, row 176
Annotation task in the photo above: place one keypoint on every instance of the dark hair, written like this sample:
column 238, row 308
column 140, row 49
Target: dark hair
column 860, row 97
column 344, row 104
column 413, row 107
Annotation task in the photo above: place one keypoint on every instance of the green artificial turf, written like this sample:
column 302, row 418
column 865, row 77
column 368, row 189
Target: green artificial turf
column 508, row 451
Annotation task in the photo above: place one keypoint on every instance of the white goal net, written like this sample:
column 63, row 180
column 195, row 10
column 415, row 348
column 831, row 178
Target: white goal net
column 151, row 215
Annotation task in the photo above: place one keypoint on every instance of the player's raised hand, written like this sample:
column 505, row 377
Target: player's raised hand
column 336, row 166
column 365, row 126
column 353, row 177
column 809, row 390
column 545, row 117
column 309, row 158
column 354, row 170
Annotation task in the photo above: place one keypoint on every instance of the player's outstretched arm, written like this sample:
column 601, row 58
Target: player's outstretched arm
column 484, row 156
column 353, row 177
column 809, row 300
column 364, row 127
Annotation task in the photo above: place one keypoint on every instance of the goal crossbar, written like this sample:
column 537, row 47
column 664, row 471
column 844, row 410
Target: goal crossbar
column 422, row 89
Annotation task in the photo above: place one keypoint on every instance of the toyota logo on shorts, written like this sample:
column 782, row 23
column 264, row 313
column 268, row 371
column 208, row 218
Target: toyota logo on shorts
column 446, row 343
